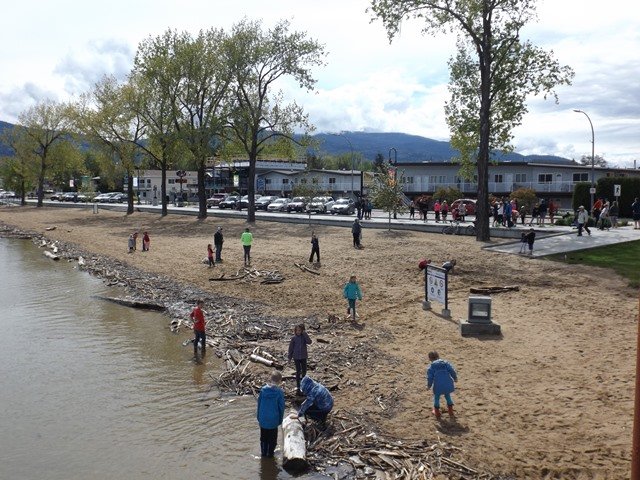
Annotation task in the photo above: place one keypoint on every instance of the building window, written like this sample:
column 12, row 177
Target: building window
column 433, row 179
column 437, row 179
column 404, row 179
column 545, row 178
column 172, row 181
column 521, row 177
column 332, row 180
column 581, row 177
column 267, row 181
column 498, row 178
column 148, row 181
column 285, row 181
column 303, row 181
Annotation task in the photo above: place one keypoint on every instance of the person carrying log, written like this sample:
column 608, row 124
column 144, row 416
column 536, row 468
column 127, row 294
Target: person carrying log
column 197, row 315
column 270, row 413
column 318, row 403
column 298, row 352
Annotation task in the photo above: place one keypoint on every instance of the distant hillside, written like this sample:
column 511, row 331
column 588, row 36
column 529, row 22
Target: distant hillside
column 4, row 150
column 409, row 148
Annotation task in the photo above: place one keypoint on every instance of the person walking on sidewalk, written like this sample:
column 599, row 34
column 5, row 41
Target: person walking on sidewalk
column 247, row 240
column 441, row 376
column 583, row 220
column 635, row 211
column 218, row 240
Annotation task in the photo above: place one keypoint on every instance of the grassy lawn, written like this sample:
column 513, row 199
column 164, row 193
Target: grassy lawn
column 623, row 258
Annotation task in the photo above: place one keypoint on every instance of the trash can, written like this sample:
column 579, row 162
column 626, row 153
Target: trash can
column 95, row 208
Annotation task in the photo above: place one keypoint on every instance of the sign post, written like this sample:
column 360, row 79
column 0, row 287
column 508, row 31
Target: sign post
column 436, row 286
column 616, row 191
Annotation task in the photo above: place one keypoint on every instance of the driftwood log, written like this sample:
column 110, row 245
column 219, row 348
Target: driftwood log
column 490, row 290
column 294, row 450
column 133, row 303
column 51, row 255
column 304, row 268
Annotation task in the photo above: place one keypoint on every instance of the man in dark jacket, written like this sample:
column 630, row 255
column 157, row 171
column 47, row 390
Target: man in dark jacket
column 356, row 231
column 270, row 413
column 218, row 240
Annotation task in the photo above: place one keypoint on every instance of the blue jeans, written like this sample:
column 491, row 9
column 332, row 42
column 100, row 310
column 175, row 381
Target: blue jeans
column 352, row 307
column 436, row 400
column 200, row 337
column 268, row 441
column 315, row 413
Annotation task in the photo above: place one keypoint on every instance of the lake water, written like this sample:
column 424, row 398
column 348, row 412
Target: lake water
column 94, row 390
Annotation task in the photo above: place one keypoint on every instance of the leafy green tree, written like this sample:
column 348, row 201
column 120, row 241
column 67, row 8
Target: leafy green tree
column 526, row 197
column 387, row 194
column 17, row 173
column 40, row 134
column 598, row 161
column 258, row 59
column 105, row 117
column 379, row 163
column 492, row 74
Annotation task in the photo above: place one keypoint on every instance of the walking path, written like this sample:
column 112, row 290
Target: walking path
column 565, row 239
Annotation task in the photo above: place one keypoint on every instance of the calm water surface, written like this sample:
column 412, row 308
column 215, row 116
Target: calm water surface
column 94, row 390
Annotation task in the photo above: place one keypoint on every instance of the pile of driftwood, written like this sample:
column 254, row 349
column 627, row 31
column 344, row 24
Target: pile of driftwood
column 352, row 449
column 251, row 274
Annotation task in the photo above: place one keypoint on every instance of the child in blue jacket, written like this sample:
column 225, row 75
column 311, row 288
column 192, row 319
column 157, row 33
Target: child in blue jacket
column 352, row 293
column 270, row 414
column 441, row 375
column 319, row 401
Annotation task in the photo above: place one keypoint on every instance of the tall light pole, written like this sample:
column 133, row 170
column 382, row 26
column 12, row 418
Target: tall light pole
column 395, row 171
column 353, row 160
column 593, row 144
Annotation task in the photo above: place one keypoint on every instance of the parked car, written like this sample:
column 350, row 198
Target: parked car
column 469, row 205
column 215, row 199
column 118, row 197
column 263, row 202
column 279, row 205
column 320, row 204
column 229, row 202
column 57, row 196
column 344, row 205
column 104, row 197
column 244, row 201
column 297, row 204
column 7, row 194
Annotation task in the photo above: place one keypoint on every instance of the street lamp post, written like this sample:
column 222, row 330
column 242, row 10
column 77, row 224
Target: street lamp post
column 353, row 160
column 395, row 171
column 593, row 138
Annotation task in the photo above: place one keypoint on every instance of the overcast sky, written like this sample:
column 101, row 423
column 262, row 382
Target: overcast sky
column 58, row 49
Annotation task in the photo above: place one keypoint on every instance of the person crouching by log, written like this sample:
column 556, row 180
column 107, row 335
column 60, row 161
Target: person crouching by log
column 318, row 403
column 298, row 352
column 197, row 315
column 442, row 376
column 270, row 413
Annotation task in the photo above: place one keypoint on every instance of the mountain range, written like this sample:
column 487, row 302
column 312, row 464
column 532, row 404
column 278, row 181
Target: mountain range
column 400, row 146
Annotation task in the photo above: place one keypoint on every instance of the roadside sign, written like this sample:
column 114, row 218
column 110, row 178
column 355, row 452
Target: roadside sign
column 260, row 183
column 616, row 190
column 592, row 190
column 436, row 285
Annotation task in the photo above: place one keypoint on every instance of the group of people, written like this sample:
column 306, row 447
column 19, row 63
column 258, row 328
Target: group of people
column 133, row 242
column 364, row 206
column 506, row 213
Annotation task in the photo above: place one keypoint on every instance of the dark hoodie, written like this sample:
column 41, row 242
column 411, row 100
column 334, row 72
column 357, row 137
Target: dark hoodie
column 317, row 394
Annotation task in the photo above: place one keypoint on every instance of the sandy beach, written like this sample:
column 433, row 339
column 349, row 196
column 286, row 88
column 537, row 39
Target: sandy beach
column 552, row 398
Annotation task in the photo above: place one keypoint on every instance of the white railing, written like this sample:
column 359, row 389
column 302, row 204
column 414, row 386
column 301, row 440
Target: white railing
column 419, row 186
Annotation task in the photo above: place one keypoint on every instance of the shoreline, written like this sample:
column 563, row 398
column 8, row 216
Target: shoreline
column 365, row 453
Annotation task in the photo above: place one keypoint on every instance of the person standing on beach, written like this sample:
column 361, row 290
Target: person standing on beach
column 135, row 240
column 441, row 376
column 270, row 413
column 218, row 240
column 614, row 211
column 132, row 244
column 146, row 242
column 529, row 238
column 247, row 240
column 298, row 352
column 315, row 248
column 210, row 256
column 356, row 231
column 412, row 210
column 352, row 292
column 197, row 315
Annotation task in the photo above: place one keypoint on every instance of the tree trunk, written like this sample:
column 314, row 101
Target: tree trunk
column 294, row 449
column 129, row 193
column 251, row 180
column 163, row 187
column 483, row 232
column 41, row 180
column 202, row 194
